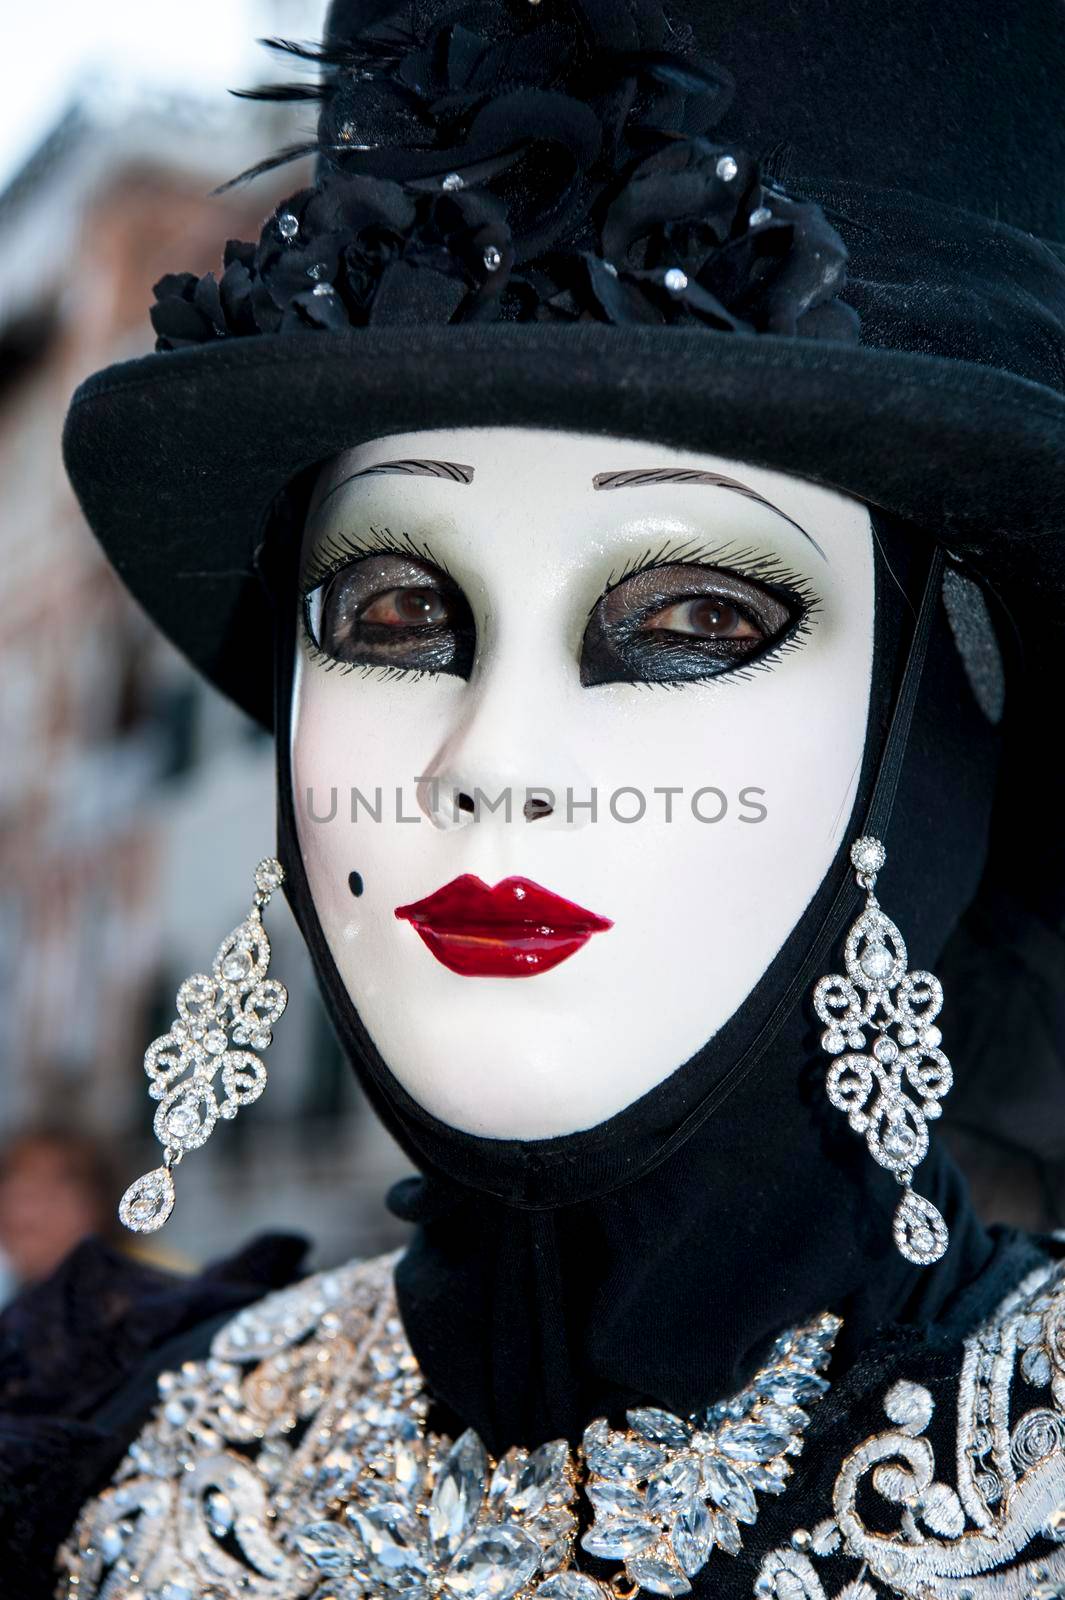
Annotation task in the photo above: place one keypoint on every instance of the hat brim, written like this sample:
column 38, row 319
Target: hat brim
column 177, row 458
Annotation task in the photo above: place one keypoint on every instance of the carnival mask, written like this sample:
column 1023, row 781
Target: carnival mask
column 576, row 732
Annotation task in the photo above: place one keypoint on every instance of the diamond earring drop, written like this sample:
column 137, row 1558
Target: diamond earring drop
column 892, row 1089
column 235, row 1006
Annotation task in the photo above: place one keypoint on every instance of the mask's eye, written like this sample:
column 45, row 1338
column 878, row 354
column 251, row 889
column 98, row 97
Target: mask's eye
column 395, row 611
column 706, row 618
column 683, row 620
column 408, row 608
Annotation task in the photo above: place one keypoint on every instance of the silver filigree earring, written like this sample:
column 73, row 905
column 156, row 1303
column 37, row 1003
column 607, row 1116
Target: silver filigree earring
column 236, row 1005
column 892, row 1090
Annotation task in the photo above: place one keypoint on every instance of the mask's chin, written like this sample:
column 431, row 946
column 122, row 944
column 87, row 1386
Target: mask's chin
column 547, row 969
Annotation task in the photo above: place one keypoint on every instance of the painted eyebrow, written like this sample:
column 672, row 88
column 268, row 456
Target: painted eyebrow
column 411, row 467
column 636, row 477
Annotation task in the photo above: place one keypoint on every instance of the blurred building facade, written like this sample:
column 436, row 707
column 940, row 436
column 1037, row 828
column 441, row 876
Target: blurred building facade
column 134, row 802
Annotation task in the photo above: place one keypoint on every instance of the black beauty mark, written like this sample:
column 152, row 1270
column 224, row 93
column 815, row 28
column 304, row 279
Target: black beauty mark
column 355, row 883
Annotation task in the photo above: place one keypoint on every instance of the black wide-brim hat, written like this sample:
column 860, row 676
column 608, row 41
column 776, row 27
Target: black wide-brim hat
column 522, row 217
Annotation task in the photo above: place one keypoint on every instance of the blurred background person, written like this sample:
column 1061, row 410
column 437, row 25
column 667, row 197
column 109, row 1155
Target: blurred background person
column 57, row 1187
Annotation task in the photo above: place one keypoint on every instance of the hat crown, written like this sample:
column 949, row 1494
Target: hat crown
column 958, row 104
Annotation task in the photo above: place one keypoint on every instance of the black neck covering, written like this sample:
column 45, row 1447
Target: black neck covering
column 653, row 1258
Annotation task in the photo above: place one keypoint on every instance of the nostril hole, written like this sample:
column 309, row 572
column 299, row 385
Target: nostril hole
column 463, row 802
column 534, row 809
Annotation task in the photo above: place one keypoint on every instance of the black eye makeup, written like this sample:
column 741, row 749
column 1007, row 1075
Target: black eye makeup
column 676, row 614
column 385, row 603
column 686, row 612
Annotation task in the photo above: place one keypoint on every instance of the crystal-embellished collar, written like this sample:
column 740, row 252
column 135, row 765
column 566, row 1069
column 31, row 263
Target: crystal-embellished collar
column 297, row 1461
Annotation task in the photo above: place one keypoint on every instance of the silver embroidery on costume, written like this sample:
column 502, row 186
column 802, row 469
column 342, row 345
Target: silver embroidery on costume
column 989, row 1525
column 296, row 1462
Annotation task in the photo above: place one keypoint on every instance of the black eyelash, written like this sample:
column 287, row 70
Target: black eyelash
column 742, row 561
column 799, row 631
column 334, row 552
column 367, row 669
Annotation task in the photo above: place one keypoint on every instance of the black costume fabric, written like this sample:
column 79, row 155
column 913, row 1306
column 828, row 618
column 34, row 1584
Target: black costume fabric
column 653, row 1258
column 79, row 1356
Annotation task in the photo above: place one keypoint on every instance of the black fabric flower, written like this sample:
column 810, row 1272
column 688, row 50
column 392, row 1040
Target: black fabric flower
column 693, row 234
column 484, row 162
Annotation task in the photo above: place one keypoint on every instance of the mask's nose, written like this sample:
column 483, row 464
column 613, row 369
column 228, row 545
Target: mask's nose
column 506, row 763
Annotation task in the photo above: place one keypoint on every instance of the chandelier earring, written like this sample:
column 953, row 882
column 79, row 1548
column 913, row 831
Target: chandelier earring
column 891, row 1088
column 203, row 1068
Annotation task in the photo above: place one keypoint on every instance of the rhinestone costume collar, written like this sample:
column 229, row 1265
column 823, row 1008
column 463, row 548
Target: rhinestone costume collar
column 296, row 1462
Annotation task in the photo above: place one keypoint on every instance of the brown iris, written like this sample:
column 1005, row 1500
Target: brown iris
column 406, row 608
column 707, row 617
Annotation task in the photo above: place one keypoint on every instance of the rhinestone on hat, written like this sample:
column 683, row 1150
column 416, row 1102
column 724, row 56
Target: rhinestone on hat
column 675, row 280
column 288, row 226
column 759, row 215
column 493, row 259
column 727, row 168
column 453, row 180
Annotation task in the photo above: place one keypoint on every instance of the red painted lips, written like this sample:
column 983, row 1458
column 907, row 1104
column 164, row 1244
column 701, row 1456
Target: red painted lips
column 515, row 930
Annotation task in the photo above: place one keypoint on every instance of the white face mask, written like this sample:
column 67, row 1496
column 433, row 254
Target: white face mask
column 522, row 610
